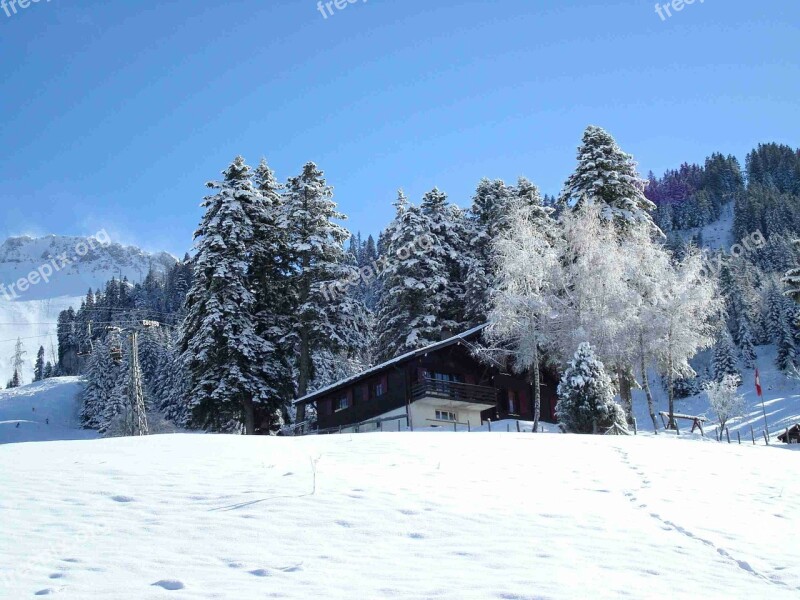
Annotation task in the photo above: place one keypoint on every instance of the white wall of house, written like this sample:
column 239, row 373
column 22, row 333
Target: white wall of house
column 423, row 413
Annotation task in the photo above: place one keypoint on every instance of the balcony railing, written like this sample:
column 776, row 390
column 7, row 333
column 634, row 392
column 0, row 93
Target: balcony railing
column 453, row 391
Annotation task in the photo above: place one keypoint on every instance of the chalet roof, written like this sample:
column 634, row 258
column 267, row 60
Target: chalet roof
column 456, row 339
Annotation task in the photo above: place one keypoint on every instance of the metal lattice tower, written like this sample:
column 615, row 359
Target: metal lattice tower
column 137, row 423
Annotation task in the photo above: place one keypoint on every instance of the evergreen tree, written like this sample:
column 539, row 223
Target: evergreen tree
column 725, row 358
column 15, row 381
column 101, row 382
column 324, row 319
column 38, row 369
column 746, row 345
column 792, row 280
column 276, row 300
column 413, row 284
column 221, row 349
column 607, row 177
column 586, row 396
column 786, row 357
column 446, row 226
column 49, row 372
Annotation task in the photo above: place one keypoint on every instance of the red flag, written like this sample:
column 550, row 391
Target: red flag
column 758, row 383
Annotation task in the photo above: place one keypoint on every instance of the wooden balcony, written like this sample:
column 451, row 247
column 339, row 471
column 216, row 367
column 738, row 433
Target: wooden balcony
column 452, row 392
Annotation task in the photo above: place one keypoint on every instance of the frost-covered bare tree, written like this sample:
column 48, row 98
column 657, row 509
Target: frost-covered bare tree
column 724, row 398
column 529, row 279
column 683, row 319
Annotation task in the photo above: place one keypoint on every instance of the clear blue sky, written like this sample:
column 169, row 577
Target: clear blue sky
column 115, row 112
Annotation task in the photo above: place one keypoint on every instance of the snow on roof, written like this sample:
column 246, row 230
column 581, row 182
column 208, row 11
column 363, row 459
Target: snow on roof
column 397, row 360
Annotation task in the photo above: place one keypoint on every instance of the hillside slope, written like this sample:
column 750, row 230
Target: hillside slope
column 399, row 515
column 781, row 401
column 43, row 411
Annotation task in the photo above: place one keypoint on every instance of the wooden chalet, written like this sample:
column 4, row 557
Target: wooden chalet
column 791, row 435
column 439, row 385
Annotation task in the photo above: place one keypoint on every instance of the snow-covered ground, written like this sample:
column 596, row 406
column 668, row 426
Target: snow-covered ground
column 399, row 515
column 43, row 411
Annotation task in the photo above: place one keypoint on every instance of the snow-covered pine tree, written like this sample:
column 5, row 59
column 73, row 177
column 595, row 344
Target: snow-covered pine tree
column 607, row 177
column 15, row 381
column 325, row 318
column 792, row 280
column 101, row 380
column 38, row 369
column 49, row 371
column 724, row 362
column 586, row 396
column 220, row 345
column 746, row 345
column 446, row 224
column 276, row 300
column 413, row 284
column 786, row 358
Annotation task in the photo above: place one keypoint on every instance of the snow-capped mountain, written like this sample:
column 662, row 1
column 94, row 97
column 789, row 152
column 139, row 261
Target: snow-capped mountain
column 39, row 277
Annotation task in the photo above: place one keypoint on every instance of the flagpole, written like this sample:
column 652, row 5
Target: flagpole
column 761, row 395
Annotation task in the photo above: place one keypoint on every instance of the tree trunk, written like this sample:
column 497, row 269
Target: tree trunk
column 649, row 394
column 249, row 416
column 304, row 366
column 537, row 392
column 670, row 384
column 624, row 380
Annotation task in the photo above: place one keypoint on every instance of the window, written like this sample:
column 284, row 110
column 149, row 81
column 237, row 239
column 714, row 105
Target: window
column 341, row 403
column 381, row 387
column 446, row 415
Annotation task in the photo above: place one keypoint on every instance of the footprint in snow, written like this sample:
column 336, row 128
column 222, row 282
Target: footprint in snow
column 260, row 573
column 169, row 584
column 45, row 592
column 56, row 575
column 122, row 499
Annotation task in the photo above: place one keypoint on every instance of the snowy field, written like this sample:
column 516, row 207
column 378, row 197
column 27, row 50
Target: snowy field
column 399, row 515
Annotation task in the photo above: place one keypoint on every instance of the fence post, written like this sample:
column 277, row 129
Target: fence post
column 728, row 434
column 517, row 426
column 635, row 427
column 753, row 433
column 490, row 425
column 398, row 424
column 508, row 427
column 788, row 441
column 766, row 438
column 702, row 431
column 469, row 427
column 739, row 436
column 677, row 430
column 455, row 423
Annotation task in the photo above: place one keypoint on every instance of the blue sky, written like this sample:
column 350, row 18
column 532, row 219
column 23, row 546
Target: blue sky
column 115, row 113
